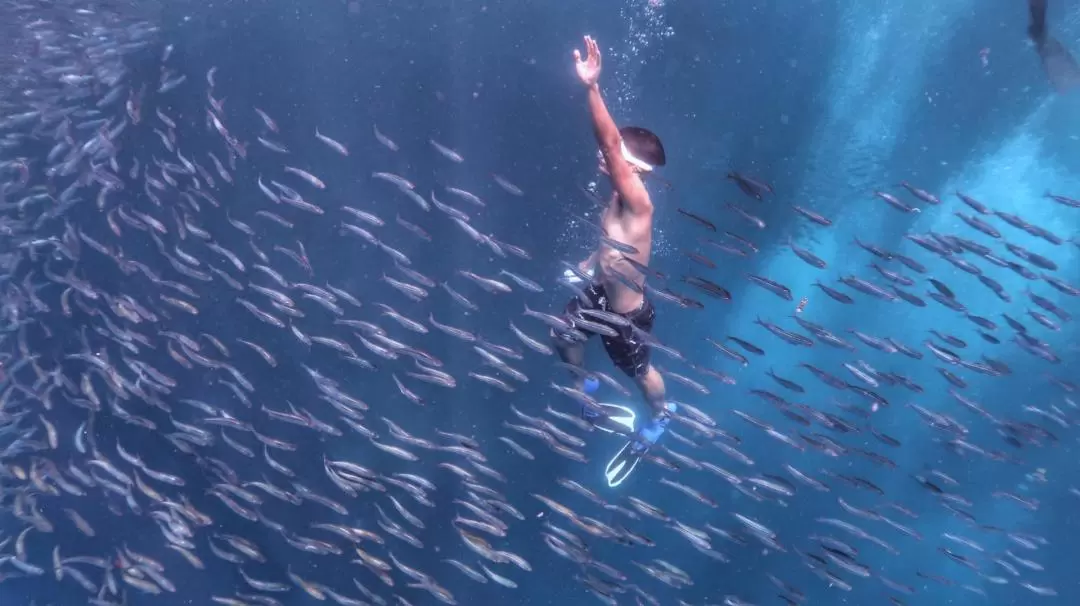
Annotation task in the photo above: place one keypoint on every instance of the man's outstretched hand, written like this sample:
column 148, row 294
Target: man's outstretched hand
column 588, row 69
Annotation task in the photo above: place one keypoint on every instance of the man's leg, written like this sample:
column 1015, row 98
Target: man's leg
column 660, row 411
column 572, row 353
column 649, row 431
column 570, row 346
column 652, row 387
column 631, row 355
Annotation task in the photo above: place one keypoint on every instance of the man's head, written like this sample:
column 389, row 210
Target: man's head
column 641, row 149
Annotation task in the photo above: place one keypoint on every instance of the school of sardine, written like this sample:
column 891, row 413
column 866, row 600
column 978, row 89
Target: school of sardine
column 126, row 257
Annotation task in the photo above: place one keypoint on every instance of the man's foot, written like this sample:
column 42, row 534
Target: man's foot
column 589, row 386
column 651, row 431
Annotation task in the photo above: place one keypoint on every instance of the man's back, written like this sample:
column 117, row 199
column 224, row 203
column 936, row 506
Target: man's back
column 633, row 228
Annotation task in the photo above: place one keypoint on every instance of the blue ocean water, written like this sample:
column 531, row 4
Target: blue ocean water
column 826, row 101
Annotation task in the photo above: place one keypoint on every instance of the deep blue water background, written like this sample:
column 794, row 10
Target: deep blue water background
column 825, row 100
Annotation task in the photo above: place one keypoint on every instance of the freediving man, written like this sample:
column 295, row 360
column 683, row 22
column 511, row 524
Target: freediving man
column 627, row 156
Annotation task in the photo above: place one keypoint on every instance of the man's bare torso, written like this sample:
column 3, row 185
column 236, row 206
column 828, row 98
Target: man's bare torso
column 629, row 228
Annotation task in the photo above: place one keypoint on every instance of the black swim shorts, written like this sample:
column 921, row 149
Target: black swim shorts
column 627, row 350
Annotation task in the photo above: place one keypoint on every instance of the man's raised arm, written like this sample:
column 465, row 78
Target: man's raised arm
column 625, row 181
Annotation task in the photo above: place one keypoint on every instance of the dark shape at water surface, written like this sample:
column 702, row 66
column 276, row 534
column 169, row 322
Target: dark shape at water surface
column 1060, row 66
